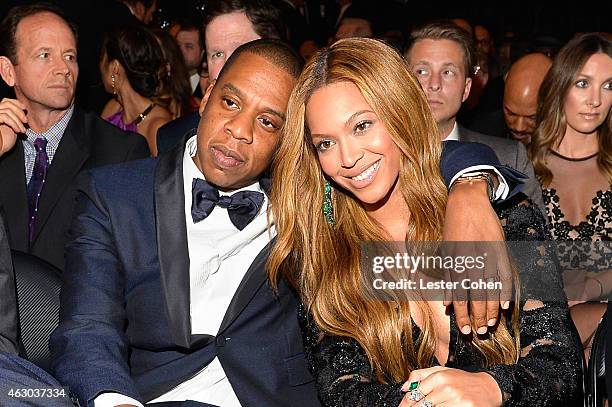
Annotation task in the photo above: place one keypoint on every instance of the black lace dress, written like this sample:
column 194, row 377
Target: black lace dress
column 548, row 372
column 574, row 249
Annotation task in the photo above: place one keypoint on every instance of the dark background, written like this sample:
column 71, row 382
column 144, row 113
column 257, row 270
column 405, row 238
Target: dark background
column 551, row 21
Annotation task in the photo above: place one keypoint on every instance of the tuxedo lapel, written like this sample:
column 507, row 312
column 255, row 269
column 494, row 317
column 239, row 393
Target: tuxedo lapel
column 14, row 197
column 172, row 246
column 71, row 155
column 253, row 279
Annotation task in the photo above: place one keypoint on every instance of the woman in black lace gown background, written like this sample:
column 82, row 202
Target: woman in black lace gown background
column 359, row 136
column 571, row 152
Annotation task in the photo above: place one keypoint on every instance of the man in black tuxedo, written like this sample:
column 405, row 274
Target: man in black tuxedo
column 56, row 140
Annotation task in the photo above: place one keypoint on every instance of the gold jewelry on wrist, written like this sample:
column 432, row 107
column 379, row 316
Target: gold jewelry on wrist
column 477, row 176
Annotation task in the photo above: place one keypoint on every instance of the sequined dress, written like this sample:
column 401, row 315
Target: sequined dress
column 547, row 373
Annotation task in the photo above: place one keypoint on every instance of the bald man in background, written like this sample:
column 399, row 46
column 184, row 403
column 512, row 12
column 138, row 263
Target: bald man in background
column 521, row 95
column 516, row 119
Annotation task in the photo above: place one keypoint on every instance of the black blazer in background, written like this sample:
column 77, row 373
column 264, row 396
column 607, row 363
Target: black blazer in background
column 170, row 134
column 88, row 142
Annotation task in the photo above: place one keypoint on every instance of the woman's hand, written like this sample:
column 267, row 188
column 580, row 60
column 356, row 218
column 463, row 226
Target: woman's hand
column 443, row 386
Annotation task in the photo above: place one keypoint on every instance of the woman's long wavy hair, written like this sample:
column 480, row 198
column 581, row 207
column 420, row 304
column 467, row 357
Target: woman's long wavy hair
column 323, row 262
column 550, row 118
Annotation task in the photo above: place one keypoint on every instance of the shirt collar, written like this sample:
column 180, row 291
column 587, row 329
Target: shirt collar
column 454, row 134
column 54, row 133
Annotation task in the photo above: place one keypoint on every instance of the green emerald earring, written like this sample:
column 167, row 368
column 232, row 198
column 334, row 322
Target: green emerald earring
column 328, row 209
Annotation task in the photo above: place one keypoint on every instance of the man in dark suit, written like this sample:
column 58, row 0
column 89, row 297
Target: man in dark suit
column 56, row 139
column 441, row 55
column 517, row 118
column 165, row 294
column 228, row 24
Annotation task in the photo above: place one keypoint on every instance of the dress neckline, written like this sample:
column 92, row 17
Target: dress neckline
column 563, row 157
column 562, row 218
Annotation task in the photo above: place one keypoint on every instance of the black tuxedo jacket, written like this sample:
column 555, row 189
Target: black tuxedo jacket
column 125, row 308
column 88, row 142
column 175, row 132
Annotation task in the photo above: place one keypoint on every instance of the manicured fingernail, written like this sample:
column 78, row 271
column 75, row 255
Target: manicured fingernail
column 492, row 322
column 466, row 330
column 482, row 330
column 506, row 305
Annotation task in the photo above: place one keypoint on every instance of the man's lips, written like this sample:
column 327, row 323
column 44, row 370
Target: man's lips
column 225, row 157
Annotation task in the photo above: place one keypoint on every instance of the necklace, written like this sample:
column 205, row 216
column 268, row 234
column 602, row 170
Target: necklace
column 144, row 114
column 588, row 157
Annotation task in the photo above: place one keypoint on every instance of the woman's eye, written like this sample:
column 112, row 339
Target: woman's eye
column 581, row 83
column 324, row 145
column 362, row 126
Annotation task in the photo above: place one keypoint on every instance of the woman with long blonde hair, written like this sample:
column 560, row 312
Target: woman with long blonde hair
column 360, row 141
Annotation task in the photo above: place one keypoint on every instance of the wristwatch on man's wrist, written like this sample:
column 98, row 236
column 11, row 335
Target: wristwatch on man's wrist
column 477, row 176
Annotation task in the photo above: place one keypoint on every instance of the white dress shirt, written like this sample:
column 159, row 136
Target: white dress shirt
column 219, row 255
column 194, row 81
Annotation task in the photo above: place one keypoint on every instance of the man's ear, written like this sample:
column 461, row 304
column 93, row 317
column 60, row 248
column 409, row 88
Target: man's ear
column 211, row 85
column 7, row 71
column 466, row 91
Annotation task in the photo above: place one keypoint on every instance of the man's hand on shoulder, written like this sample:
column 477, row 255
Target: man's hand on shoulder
column 12, row 121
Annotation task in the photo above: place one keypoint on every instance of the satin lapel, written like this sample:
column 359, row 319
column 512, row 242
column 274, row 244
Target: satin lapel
column 71, row 155
column 253, row 279
column 14, row 196
column 172, row 246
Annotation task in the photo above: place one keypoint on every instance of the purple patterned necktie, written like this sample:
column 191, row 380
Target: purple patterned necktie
column 35, row 186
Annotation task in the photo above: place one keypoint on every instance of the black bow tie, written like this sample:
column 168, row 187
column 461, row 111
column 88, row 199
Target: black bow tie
column 242, row 207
